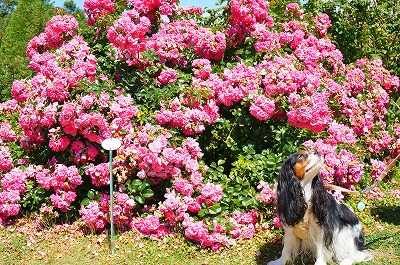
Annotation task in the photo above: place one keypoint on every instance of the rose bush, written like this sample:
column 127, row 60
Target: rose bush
column 205, row 114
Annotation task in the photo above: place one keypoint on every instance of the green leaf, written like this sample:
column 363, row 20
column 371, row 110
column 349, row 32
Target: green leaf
column 202, row 213
column 220, row 169
column 133, row 189
column 142, row 186
column 246, row 202
column 136, row 182
column 230, row 189
column 147, row 193
column 139, row 199
column 85, row 202
column 263, row 71
column 90, row 194
column 215, row 209
column 98, row 46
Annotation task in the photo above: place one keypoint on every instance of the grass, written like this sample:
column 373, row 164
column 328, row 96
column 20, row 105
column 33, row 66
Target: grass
column 23, row 243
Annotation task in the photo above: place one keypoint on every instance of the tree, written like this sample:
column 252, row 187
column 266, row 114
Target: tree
column 363, row 28
column 7, row 7
column 70, row 6
column 28, row 20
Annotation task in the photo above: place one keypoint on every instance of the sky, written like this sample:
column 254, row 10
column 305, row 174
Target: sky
column 184, row 3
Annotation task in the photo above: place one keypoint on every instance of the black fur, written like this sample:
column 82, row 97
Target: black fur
column 291, row 203
column 332, row 215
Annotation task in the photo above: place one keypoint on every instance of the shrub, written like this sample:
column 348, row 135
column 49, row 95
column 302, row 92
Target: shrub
column 205, row 115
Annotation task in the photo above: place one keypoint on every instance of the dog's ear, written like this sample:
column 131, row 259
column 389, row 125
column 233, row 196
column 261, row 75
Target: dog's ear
column 324, row 209
column 320, row 200
column 291, row 203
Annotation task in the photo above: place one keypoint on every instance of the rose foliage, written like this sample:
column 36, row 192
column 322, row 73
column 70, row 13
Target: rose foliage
column 206, row 113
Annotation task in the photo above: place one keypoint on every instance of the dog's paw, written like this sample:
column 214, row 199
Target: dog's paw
column 347, row 262
column 275, row 262
column 320, row 262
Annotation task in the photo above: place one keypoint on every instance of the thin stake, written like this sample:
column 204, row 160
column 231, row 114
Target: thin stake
column 111, row 144
column 111, row 205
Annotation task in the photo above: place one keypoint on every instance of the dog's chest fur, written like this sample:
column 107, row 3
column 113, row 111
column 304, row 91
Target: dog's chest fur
column 302, row 229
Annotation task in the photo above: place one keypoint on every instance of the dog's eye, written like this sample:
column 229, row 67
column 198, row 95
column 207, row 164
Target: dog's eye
column 302, row 156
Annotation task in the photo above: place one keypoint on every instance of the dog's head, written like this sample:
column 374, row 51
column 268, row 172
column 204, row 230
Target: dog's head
column 300, row 168
column 305, row 166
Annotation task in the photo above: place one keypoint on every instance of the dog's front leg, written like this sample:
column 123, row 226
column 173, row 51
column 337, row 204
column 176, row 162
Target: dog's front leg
column 320, row 257
column 320, row 246
column 320, row 261
column 291, row 247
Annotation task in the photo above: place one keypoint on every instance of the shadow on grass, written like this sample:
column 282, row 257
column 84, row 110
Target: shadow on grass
column 379, row 241
column 385, row 244
column 383, row 239
column 387, row 214
column 269, row 251
column 272, row 251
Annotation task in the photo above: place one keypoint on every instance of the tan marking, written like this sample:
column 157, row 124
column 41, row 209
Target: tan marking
column 301, row 165
column 302, row 229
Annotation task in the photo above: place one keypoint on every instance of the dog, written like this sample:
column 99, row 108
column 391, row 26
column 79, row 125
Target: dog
column 313, row 221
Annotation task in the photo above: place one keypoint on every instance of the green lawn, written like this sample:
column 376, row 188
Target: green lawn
column 23, row 243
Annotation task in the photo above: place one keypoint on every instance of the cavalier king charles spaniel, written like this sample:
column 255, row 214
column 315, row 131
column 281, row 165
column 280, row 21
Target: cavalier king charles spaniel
column 313, row 221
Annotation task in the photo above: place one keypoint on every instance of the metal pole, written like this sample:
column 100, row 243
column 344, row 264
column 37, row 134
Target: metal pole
column 111, row 144
column 111, row 205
